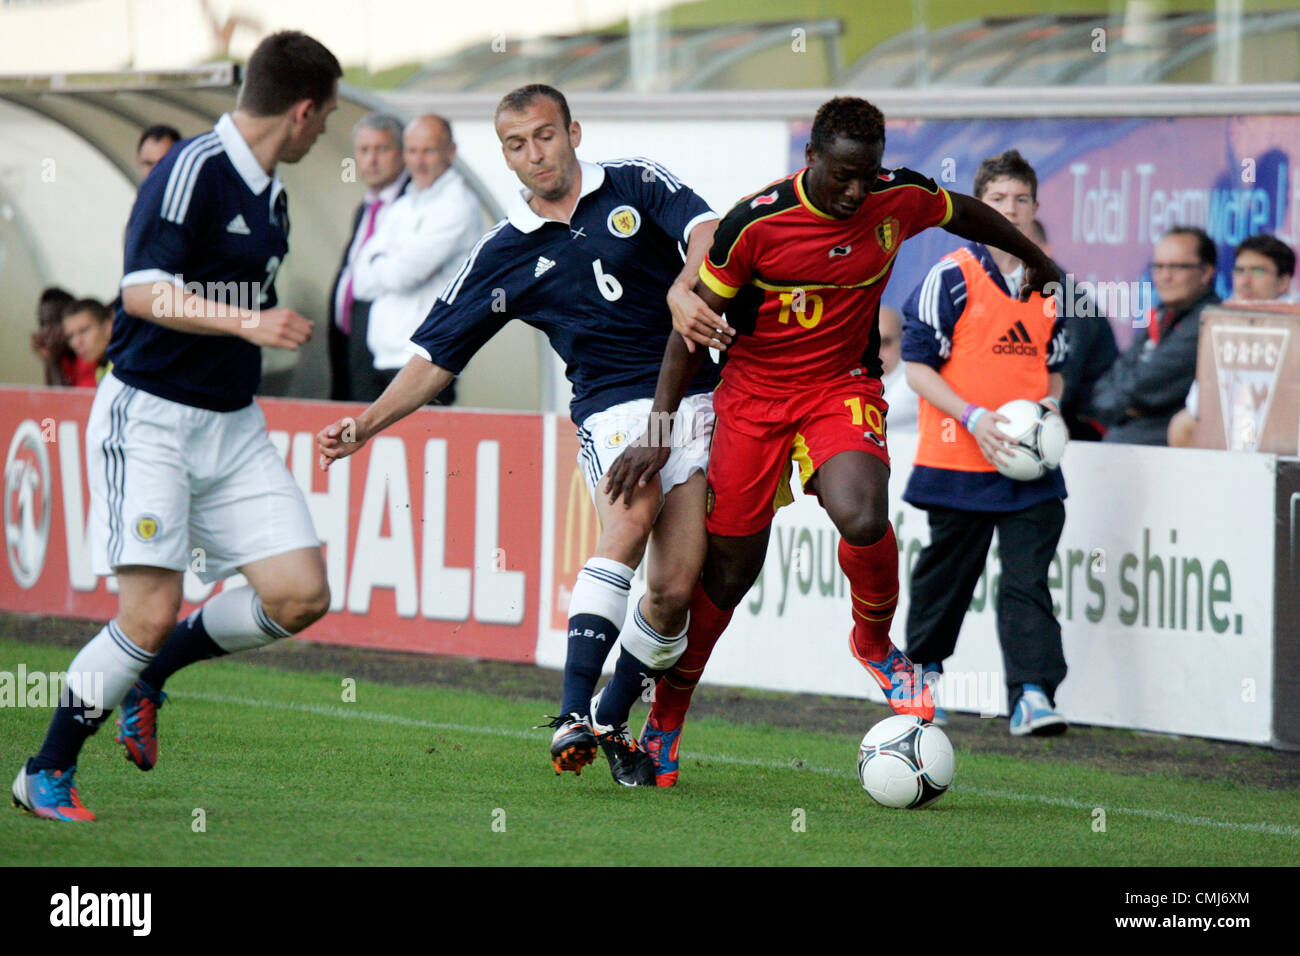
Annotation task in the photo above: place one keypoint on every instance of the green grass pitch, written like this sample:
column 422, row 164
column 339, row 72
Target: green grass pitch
column 265, row 767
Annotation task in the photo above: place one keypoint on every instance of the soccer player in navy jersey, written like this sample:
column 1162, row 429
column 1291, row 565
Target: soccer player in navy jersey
column 799, row 267
column 587, row 255
column 182, row 473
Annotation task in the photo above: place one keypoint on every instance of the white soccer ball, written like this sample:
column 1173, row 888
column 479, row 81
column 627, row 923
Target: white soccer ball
column 1037, row 436
column 905, row 763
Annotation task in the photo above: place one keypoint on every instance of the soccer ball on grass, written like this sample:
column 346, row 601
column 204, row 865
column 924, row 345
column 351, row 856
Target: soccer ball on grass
column 905, row 763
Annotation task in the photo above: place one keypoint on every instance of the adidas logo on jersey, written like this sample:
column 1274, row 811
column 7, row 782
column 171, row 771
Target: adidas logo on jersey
column 543, row 264
column 1015, row 342
column 238, row 226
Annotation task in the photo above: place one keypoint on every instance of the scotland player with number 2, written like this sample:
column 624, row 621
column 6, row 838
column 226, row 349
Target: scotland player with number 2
column 182, row 473
column 587, row 255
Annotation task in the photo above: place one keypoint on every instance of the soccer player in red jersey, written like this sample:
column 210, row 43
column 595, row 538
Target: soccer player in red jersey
column 799, row 268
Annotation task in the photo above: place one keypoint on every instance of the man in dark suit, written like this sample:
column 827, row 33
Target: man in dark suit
column 377, row 148
column 1150, row 380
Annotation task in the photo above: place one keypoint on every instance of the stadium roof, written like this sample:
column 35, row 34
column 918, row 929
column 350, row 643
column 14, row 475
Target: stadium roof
column 1064, row 49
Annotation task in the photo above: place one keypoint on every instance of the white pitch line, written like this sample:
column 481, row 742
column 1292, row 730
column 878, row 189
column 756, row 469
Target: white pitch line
column 349, row 713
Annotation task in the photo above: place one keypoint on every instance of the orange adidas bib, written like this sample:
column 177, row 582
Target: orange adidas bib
column 999, row 353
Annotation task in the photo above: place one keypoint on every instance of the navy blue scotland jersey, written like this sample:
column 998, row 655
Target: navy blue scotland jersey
column 210, row 217
column 595, row 286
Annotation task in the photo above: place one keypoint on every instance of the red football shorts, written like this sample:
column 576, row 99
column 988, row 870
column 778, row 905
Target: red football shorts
column 756, row 439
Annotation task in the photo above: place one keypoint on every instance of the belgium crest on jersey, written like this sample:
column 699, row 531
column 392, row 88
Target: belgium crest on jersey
column 887, row 234
column 623, row 221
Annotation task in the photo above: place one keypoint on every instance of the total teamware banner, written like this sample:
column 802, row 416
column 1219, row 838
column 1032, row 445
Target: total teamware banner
column 460, row 532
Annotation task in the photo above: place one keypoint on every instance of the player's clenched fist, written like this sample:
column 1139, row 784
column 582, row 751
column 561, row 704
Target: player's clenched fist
column 339, row 440
column 277, row 328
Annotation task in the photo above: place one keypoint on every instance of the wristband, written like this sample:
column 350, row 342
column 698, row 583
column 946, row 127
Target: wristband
column 975, row 416
column 1055, row 405
column 965, row 415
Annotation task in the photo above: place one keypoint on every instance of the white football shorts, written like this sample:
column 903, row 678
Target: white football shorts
column 178, row 487
column 606, row 434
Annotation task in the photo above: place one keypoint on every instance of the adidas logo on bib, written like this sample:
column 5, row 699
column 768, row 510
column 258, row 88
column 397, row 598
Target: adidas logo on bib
column 238, row 226
column 1015, row 342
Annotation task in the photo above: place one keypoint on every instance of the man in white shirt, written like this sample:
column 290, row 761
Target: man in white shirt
column 377, row 152
column 420, row 245
column 898, row 394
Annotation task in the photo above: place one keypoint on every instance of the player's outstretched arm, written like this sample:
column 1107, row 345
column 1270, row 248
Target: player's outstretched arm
column 642, row 459
column 168, row 304
column 418, row 383
column 693, row 318
column 972, row 219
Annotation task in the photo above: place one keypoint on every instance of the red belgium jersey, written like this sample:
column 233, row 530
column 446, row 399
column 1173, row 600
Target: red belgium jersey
column 804, row 286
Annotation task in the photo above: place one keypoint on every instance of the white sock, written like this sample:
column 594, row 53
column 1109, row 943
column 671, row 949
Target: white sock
column 104, row 670
column 236, row 621
column 602, row 589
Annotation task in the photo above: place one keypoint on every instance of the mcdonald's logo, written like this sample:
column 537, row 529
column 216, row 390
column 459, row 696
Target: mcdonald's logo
column 579, row 513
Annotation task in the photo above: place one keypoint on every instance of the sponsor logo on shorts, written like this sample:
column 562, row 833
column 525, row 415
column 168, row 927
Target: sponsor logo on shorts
column 146, row 527
column 624, row 221
column 876, row 439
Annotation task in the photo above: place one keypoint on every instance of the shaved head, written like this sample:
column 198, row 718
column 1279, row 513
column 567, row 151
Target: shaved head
column 428, row 149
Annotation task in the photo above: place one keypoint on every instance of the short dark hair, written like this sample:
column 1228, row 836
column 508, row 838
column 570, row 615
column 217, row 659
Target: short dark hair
column 848, row 116
column 1274, row 248
column 93, row 306
column 1008, row 165
column 158, row 131
column 49, row 310
column 518, row 100
column 287, row 68
column 1205, row 252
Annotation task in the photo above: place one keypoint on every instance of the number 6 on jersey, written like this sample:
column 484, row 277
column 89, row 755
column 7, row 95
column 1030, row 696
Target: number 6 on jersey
column 609, row 287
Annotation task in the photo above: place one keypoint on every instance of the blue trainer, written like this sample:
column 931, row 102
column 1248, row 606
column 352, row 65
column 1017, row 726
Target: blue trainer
column 50, row 794
column 1033, row 714
column 137, row 719
column 662, row 746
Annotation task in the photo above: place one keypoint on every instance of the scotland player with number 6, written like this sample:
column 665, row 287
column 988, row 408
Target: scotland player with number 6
column 587, row 255
column 182, row 473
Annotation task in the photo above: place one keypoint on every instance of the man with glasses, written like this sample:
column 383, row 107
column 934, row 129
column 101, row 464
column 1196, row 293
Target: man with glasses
column 1149, row 382
column 1262, row 269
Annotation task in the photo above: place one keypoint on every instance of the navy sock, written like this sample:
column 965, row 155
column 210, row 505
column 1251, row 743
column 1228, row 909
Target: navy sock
column 71, row 726
column 590, row 639
column 628, row 683
column 188, row 644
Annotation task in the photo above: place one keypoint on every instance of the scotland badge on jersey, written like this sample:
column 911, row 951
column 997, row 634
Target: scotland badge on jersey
column 623, row 221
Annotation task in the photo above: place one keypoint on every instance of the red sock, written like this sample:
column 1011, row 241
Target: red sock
column 873, row 581
column 673, row 692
